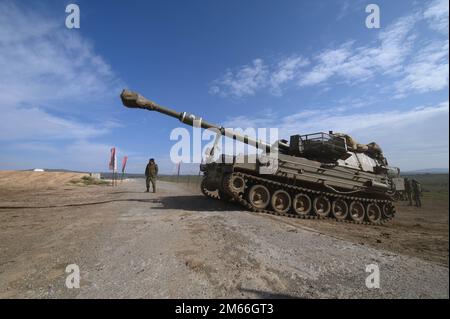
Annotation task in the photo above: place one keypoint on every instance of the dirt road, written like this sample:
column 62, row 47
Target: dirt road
column 178, row 244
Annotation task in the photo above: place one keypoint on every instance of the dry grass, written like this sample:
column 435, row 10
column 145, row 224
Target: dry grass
column 88, row 180
column 36, row 180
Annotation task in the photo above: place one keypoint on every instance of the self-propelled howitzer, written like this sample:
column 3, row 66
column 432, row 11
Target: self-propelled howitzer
column 320, row 175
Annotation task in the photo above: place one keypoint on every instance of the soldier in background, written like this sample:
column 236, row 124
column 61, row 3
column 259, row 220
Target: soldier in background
column 408, row 190
column 417, row 192
column 151, row 171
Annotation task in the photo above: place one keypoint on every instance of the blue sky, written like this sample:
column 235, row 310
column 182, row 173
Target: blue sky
column 301, row 66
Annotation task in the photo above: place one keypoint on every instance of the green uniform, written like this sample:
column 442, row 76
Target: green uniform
column 408, row 190
column 417, row 192
column 151, row 171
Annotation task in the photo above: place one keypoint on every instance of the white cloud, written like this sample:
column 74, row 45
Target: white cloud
column 41, row 61
column 398, row 52
column 44, row 68
column 80, row 155
column 428, row 70
column 361, row 63
column 248, row 79
column 329, row 63
column 244, row 82
column 393, row 54
column 286, row 70
column 49, row 75
column 344, row 9
column 395, row 43
column 363, row 124
column 347, row 7
column 48, row 149
column 347, row 62
column 242, row 121
column 411, row 139
column 36, row 124
column 83, row 154
column 437, row 15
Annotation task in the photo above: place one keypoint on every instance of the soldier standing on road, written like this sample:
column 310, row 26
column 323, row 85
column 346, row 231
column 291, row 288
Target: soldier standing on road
column 151, row 171
column 417, row 192
column 408, row 190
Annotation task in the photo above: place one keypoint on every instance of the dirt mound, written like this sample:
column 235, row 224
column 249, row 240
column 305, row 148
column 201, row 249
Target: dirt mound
column 30, row 179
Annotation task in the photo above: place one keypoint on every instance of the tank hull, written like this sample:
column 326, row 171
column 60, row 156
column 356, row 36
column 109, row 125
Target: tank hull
column 366, row 192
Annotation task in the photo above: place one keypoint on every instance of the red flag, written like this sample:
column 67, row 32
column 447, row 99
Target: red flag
column 112, row 161
column 124, row 163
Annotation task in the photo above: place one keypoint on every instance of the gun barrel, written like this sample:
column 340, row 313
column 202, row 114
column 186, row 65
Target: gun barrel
column 134, row 100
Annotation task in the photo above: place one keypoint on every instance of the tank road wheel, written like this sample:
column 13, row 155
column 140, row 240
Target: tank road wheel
column 236, row 184
column 339, row 208
column 259, row 196
column 281, row 201
column 373, row 213
column 388, row 210
column 302, row 204
column 357, row 211
column 322, row 206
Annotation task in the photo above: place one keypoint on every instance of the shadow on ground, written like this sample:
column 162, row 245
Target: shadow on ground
column 197, row 203
column 189, row 202
column 84, row 204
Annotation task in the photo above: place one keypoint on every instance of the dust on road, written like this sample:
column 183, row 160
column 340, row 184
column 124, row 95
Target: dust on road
column 178, row 244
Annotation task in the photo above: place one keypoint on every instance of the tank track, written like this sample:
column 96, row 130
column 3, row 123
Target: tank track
column 214, row 194
column 239, row 197
column 208, row 193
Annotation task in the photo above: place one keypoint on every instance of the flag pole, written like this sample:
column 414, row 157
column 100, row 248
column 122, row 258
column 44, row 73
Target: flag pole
column 178, row 171
column 124, row 164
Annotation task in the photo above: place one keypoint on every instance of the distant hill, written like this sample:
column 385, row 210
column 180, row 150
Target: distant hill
column 427, row 171
column 131, row 175
column 109, row 175
column 105, row 175
column 59, row 170
column 62, row 170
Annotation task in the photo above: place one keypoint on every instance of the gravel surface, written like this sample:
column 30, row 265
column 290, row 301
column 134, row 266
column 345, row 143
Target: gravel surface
column 179, row 244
